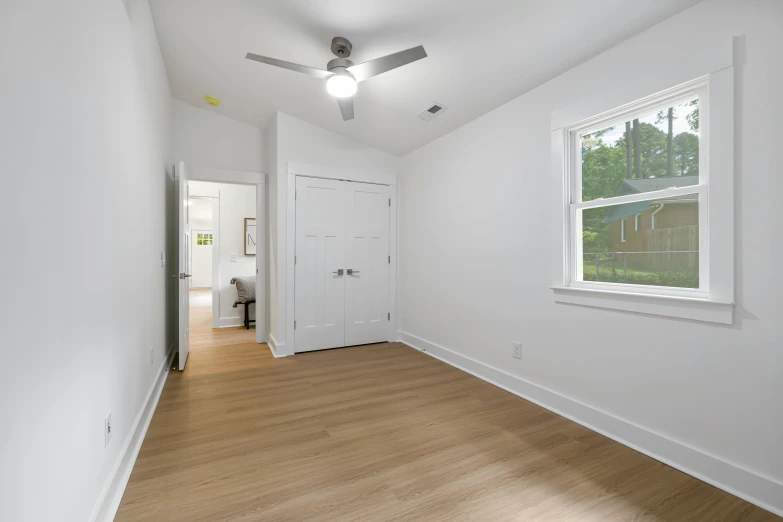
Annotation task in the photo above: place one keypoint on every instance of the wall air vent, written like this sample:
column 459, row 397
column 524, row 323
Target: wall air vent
column 431, row 112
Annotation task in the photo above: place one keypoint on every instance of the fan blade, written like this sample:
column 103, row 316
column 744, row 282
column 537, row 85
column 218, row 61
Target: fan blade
column 346, row 107
column 312, row 71
column 367, row 70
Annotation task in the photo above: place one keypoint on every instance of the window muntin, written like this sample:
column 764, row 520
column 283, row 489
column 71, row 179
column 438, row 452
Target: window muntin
column 599, row 177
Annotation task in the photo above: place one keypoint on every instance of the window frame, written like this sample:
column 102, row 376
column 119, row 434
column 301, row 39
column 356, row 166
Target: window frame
column 637, row 222
column 574, row 256
column 623, row 239
column 713, row 301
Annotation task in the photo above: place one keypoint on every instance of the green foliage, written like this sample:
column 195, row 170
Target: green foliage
column 596, row 233
column 603, row 169
column 686, row 154
column 595, row 241
column 693, row 117
column 677, row 279
column 653, row 145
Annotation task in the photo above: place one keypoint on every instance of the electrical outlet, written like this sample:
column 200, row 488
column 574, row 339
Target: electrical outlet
column 516, row 350
column 107, row 427
column 152, row 356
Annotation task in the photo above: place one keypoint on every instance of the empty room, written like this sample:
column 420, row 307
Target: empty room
column 393, row 260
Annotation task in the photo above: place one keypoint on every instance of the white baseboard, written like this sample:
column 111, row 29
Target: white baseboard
column 762, row 491
column 111, row 495
column 275, row 347
column 227, row 322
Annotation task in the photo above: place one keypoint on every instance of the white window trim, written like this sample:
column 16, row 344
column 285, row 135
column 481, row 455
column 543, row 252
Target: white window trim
column 622, row 231
column 637, row 222
column 714, row 300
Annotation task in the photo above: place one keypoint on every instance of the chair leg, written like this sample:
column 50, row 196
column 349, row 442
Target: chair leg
column 247, row 318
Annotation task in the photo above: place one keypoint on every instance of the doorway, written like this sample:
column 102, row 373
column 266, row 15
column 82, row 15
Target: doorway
column 216, row 217
column 342, row 263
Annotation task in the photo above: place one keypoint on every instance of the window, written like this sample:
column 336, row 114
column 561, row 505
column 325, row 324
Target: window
column 203, row 238
column 644, row 162
column 663, row 161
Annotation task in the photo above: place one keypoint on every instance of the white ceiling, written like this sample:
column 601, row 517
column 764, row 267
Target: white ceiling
column 482, row 53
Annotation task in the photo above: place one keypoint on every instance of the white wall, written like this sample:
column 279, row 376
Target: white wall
column 203, row 138
column 236, row 202
column 298, row 141
column 200, row 220
column 477, row 226
column 83, row 148
column 272, row 273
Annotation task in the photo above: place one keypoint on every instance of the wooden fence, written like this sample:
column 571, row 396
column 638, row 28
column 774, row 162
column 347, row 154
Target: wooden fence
column 674, row 248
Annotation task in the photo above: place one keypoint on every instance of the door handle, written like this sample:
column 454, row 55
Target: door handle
column 339, row 272
column 351, row 271
column 183, row 275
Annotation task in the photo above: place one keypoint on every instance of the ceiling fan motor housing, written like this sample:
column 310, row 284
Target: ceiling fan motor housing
column 338, row 63
column 341, row 47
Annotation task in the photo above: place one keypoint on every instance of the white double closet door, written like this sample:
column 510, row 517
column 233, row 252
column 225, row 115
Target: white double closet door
column 342, row 263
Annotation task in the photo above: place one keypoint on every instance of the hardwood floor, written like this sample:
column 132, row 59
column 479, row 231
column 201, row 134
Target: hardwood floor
column 383, row 432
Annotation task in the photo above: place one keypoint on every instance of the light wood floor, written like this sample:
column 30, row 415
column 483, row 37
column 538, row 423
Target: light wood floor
column 383, row 432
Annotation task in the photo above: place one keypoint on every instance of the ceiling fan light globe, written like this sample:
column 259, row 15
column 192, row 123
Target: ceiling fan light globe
column 341, row 86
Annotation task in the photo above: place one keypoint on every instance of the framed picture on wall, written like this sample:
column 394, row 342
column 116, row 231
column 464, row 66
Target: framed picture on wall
column 250, row 236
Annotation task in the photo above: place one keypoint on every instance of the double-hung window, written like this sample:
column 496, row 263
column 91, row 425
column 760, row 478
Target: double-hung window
column 644, row 160
column 647, row 161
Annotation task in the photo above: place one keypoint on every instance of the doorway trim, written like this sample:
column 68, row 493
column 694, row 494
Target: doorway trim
column 346, row 174
column 257, row 179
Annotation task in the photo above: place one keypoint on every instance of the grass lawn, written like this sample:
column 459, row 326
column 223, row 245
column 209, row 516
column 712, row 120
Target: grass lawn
column 606, row 270
column 679, row 279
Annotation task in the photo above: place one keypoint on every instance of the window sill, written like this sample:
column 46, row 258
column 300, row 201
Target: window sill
column 695, row 309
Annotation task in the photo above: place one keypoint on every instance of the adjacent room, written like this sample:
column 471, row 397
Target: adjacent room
column 221, row 245
column 395, row 260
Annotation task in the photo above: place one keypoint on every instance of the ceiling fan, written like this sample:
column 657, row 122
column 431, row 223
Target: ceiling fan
column 342, row 75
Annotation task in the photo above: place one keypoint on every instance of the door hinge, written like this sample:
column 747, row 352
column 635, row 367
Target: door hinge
column 294, row 259
column 295, row 194
column 389, row 201
column 294, row 325
column 388, row 317
column 389, row 259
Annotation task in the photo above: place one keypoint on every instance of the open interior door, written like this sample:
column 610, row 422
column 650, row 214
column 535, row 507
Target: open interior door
column 183, row 248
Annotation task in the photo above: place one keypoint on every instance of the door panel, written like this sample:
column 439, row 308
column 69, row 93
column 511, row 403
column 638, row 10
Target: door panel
column 320, row 252
column 183, row 245
column 367, row 255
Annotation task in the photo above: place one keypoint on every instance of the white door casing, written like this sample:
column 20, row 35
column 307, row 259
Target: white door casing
column 183, row 244
column 367, row 304
column 320, row 254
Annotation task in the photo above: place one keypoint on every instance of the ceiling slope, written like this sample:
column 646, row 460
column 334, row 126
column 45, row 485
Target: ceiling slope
column 481, row 55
